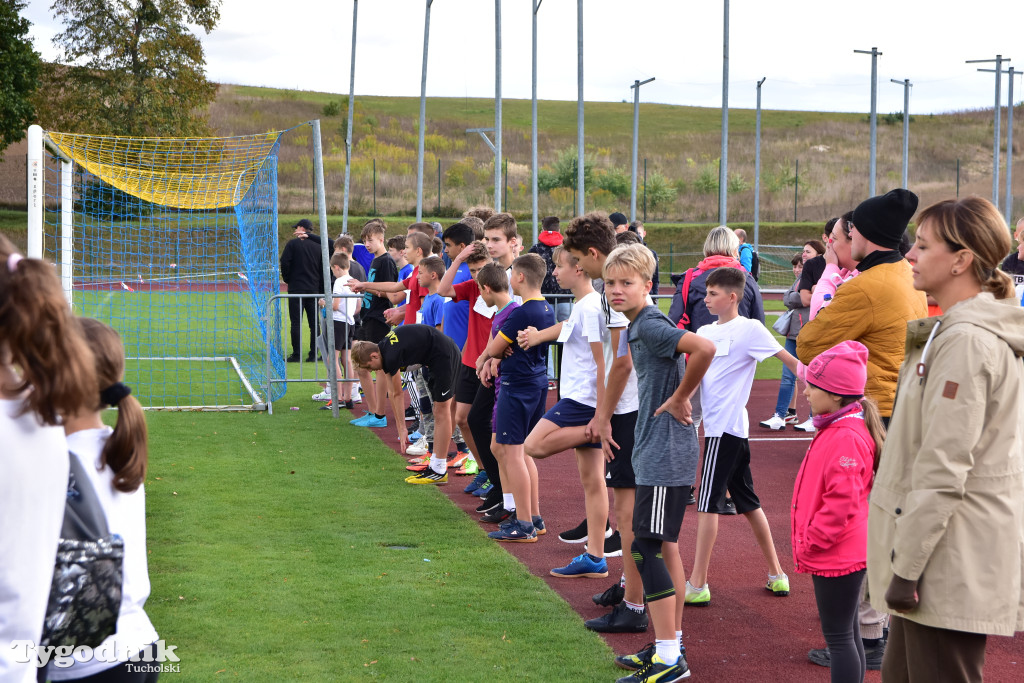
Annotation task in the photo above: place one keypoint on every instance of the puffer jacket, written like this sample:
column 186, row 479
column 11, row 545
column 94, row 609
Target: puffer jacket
column 874, row 309
column 829, row 515
column 693, row 304
column 947, row 505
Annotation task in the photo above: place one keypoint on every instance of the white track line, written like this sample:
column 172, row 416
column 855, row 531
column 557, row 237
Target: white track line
column 781, row 438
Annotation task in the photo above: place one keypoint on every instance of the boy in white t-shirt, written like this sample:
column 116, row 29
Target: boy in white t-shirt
column 740, row 344
column 343, row 314
column 564, row 425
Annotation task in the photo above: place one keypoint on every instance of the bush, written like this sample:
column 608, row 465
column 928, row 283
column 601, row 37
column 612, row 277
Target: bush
column 615, row 182
column 332, row 108
column 737, row 183
column 659, row 191
column 707, row 179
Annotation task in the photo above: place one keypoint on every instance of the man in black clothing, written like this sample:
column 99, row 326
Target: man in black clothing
column 1014, row 263
column 302, row 271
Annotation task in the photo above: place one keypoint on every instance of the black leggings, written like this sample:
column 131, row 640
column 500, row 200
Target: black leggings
column 838, row 598
column 295, row 309
column 480, row 426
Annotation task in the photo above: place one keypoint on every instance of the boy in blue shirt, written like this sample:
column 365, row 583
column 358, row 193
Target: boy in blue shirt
column 664, row 456
column 521, row 399
column 431, row 270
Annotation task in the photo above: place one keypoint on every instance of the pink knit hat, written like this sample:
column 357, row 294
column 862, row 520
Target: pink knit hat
column 842, row 370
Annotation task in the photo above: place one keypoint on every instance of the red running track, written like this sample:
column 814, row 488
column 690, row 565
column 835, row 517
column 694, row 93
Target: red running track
column 746, row 633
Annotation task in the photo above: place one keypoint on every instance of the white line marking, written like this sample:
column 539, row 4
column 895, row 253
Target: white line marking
column 782, row 438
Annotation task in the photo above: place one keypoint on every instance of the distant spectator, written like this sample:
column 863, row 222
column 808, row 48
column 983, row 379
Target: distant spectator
column 619, row 222
column 476, row 224
column 746, row 251
column 396, row 250
column 814, row 267
column 638, row 228
column 345, row 244
column 547, row 240
column 479, row 211
column 1014, row 263
column 302, row 271
column 627, row 237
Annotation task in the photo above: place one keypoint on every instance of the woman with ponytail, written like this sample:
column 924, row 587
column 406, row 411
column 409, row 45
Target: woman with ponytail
column 46, row 373
column 115, row 460
column 946, row 520
column 829, row 515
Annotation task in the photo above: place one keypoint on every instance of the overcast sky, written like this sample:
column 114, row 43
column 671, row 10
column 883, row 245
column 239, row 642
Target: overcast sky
column 805, row 48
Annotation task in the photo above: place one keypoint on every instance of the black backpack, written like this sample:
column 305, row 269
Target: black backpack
column 85, row 594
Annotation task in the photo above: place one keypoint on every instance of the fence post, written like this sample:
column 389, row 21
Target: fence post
column 670, row 258
column 958, row 178
column 645, row 189
column 439, row 187
column 796, row 189
column 375, row 187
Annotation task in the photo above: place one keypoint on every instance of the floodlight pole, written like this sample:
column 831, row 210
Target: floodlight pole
column 497, row 105
column 875, row 54
column 995, row 133
column 580, row 164
column 533, row 127
column 723, row 165
column 636, row 138
column 348, row 128
column 757, row 168
column 423, row 116
column 1009, row 146
column 906, row 126
column 321, row 200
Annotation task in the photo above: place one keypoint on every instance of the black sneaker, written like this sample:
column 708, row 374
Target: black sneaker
column 489, row 500
column 610, row 597
column 410, row 414
column 820, row 657
column 874, row 655
column 495, row 516
column 612, row 545
column 294, row 358
column 620, row 620
column 311, row 358
column 578, row 534
column 637, row 661
column 657, row 670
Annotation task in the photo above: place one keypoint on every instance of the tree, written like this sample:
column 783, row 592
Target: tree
column 19, row 74
column 129, row 67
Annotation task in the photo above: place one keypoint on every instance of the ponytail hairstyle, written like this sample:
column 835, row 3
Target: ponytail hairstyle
column 872, row 420
column 126, row 452
column 974, row 224
column 40, row 336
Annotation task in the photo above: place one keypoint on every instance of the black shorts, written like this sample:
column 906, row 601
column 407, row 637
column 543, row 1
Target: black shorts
column 726, row 468
column 442, row 373
column 342, row 335
column 619, row 472
column 373, row 330
column 466, row 385
column 658, row 512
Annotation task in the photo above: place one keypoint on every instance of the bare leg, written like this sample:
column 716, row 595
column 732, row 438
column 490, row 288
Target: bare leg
column 663, row 616
column 531, row 470
column 442, row 427
column 674, row 564
column 624, row 500
column 515, row 478
column 547, row 439
column 707, row 532
column 462, row 421
column 595, row 495
column 763, row 534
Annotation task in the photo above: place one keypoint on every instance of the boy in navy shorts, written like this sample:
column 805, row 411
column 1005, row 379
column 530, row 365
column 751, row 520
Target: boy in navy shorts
column 741, row 343
column 664, row 456
column 521, row 397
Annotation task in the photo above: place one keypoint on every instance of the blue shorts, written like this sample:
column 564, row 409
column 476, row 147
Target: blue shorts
column 517, row 413
column 570, row 413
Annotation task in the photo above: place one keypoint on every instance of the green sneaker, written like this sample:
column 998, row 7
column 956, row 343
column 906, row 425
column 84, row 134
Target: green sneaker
column 636, row 661
column 657, row 671
column 697, row 597
column 778, row 585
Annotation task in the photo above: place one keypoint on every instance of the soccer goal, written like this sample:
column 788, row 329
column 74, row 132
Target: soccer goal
column 174, row 243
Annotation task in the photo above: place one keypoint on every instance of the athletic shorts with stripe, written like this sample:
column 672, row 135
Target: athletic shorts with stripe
column 726, row 468
column 619, row 472
column 658, row 512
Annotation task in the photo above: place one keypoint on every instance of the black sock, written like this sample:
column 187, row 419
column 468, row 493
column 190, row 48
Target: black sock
column 379, row 416
column 791, row 411
column 430, row 446
column 595, row 559
column 871, row 642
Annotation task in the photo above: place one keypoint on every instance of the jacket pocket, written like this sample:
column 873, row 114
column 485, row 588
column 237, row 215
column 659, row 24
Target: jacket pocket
column 892, row 502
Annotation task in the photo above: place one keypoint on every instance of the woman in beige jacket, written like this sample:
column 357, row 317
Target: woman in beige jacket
column 946, row 521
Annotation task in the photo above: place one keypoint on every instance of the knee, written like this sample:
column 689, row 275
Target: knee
column 534, row 447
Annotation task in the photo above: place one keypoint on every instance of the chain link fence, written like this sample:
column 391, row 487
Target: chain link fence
column 776, row 273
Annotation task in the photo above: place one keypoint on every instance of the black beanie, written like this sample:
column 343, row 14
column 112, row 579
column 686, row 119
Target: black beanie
column 883, row 219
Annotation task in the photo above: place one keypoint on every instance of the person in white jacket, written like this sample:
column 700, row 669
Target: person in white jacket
column 46, row 372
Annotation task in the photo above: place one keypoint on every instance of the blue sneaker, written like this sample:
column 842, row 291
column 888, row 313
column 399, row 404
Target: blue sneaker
column 414, row 437
column 484, row 489
column 361, row 421
column 513, row 530
column 583, row 567
column 538, row 524
column 477, row 482
column 370, row 420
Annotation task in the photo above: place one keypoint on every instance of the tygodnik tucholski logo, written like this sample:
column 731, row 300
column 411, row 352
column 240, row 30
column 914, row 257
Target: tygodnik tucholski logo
column 159, row 657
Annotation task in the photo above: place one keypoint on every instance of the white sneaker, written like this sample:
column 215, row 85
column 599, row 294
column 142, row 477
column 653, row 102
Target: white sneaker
column 418, row 448
column 356, row 398
column 324, row 395
column 807, row 426
column 775, row 422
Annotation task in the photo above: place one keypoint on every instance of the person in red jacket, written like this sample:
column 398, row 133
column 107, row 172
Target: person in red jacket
column 830, row 498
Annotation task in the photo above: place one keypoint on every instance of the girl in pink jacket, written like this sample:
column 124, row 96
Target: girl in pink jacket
column 830, row 498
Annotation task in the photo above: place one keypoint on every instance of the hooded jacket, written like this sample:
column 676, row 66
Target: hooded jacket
column 693, row 304
column 547, row 240
column 947, row 505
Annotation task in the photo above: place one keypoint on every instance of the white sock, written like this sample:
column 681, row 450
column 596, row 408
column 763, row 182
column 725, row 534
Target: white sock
column 679, row 637
column 667, row 650
column 508, row 502
column 439, row 465
column 622, row 581
column 639, row 609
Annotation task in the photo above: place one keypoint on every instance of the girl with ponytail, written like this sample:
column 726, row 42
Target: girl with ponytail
column 46, row 373
column 946, row 528
column 115, row 460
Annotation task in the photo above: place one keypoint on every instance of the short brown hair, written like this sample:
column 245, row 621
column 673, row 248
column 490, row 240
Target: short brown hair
column 426, row 228
column 728, row 278
column 418, row 240
column 533, row 267
column 476, row 224
column 374, row 226
column 397, row 242
column 345, row 242
column 438, row 246
column 479, row 253
column 556, row 254
column 341, row 260
column 479, row 211
column 493, row 276
column 593, row 230
column 635, row 258
column 627, row 238
column 504, row 222
column 361, row 352
column 433, row 264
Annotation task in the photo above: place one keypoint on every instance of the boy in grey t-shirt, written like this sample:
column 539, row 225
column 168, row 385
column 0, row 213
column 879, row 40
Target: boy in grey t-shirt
column 665, row 453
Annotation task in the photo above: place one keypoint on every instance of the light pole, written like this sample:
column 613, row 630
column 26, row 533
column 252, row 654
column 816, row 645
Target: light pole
column 875, row 54
column 906, row 126
column 423, row 116
column 580, row 175
column 757, row 168
column 497, row 105
column 533, row 129
column 723, row 164
column 636, row 143
column 995, row 133
column 348, row 128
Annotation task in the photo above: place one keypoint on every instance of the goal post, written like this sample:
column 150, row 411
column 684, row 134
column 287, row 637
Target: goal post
column 174, row 243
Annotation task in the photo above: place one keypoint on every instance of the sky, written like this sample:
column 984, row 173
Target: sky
column 804, row 48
